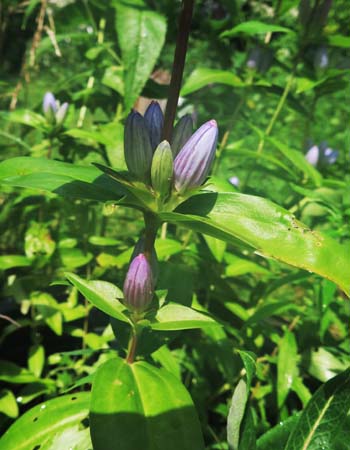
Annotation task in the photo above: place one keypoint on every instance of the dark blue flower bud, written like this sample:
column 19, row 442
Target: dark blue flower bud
column 138, row 286
column 154, row 122
column 137, row 147
column 192, row 164
column 181, row 134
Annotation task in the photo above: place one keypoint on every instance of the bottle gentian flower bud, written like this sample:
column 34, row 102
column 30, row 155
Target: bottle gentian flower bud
column 49, row 106
column 181, row 134
column 162, row 169
column 137, row 147
column 192, row 164
column 140, row 248
column 138, row 286
column 154, row 122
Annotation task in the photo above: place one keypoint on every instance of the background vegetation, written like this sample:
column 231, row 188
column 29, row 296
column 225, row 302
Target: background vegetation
column 276, row 87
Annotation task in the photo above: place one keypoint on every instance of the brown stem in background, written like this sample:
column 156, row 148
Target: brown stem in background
column 178, row 66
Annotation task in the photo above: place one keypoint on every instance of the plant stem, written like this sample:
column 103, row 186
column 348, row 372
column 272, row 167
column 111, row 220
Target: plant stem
column 178, row 66
column 130, row 358
column 277, row 111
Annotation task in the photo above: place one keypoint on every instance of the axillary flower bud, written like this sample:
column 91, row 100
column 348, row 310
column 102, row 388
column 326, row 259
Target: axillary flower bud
column 154, row 122
column 162, row 169
column 137, row 147
column 181, row 134
column 192, row 164
column 139, row 284
column 140, row 248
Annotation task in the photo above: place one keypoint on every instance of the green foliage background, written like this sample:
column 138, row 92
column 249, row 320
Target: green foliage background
column 282, row 332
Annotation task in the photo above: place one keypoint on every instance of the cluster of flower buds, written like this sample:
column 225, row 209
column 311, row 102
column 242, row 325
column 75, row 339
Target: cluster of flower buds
column 184, row 163
column 54, row 112
column 259, row 59
column 321, row 155
column 313, row 14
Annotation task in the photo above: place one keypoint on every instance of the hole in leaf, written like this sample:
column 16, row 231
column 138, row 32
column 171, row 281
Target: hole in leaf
column 35, row 419
column 37, row 447
column 73, row 398
column 85, row 422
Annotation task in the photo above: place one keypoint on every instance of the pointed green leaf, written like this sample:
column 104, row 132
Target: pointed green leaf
column 178, row 317
column 252, row 27
column 271, row 230
column 138, row 406
column 40, row 424
column 101, row 295
column 287, row 369
column 202, row 76
column 141, row 34
column 323, row 417
column 59, row 178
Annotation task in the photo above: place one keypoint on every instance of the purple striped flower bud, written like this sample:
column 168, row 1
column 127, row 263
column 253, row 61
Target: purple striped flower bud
column 49, row 106
column 181, row 134
column 139, row 285
column 140, row 248
column 137, row 147
column 154, row 122
column 62, row 113
column 192, row 164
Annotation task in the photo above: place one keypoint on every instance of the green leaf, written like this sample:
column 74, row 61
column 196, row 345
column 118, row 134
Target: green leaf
column 72, row 258
column 271, row 230
column 113, row 78
column 9, row 261
column 26, row 117
column 141, row 35
column 236, row 414
column 338, row 40
column 323, row 417
column 203, row 76
column 11, row 373
column 298, row 160
column 324, row 365
column 276, row 437
column 101, row 295
column 178, row 317
column 287, row 369
column 249, row 361
column 40, row 424
column 253, row 27
column 138, row 406
column 36, row 359
column 8, row 404
column 60, row 178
